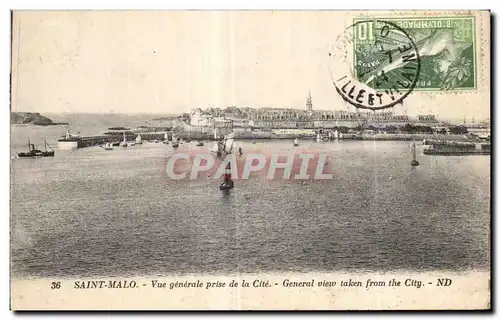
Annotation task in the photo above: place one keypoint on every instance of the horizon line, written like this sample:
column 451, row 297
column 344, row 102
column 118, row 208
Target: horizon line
column 179, row 114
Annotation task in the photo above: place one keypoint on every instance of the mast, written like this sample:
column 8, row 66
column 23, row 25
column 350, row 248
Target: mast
column 45, row 143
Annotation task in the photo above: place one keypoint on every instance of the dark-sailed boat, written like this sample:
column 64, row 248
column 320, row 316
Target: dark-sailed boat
column 33, row 152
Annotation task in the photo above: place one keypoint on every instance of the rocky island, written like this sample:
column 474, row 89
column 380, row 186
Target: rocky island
column 34, row 118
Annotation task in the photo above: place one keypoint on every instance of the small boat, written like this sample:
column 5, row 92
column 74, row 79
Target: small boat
column 296, row 142
column 200, row 144
column 226, row 185
column 175, row 142
column 108, row 146
column 124, row 142
column 156, row 141
column 414, row 161
column 33, row 152
column 115, row 144
column 138, row 139
column 224, row 146
column 229, row 143
column 319, row 138
column 336, row 135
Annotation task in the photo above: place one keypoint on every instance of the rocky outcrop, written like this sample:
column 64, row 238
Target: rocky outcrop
column 34, row 118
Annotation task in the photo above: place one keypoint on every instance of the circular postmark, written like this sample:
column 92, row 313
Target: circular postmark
column 374, row 64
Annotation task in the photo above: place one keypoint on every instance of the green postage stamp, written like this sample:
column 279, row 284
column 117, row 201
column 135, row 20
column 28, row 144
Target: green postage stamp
column 446, row 46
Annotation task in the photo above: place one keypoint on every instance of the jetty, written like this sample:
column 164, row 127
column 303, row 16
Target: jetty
column 77, row 142
column 97, row 140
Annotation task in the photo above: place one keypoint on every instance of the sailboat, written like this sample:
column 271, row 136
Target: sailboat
column 414, row 161
column 228, row 143
column 124, row 142
column 108, row 146
column 336, row 134
column 318, row 137
column 296, row 142
column 175, row 142
column 165, row 137
column 47, row 153
column 225, row 145
column 33, row 152
column 138, row 139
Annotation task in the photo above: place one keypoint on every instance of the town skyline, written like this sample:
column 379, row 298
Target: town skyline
column 458, row 120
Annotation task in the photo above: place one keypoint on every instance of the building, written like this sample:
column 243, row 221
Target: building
column 222, row 126
column 199, row 117
column 287, row 118
column 309, row 103
column 239, row 122
column 428, row 120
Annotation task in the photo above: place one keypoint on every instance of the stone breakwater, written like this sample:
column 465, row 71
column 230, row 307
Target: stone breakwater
column 415, row 136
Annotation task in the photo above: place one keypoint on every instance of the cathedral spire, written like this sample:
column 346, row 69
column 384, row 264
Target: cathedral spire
column 309, row 104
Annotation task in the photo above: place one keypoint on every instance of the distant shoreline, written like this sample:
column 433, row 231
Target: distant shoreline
column 33, row 118
column 42, row 124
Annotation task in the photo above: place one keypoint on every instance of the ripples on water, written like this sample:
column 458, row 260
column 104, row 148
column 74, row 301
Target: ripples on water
column 101, row 213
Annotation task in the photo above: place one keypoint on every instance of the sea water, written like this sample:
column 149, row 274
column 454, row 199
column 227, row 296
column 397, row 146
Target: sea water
column 93, row 212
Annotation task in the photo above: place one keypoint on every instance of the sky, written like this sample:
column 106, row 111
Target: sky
column 170, row 62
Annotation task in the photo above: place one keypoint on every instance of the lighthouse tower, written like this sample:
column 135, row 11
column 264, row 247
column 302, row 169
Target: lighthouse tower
column 228, row 183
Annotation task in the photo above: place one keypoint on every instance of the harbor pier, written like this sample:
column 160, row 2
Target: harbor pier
column 96, row 140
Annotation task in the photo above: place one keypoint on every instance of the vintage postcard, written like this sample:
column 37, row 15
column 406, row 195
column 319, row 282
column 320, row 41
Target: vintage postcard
column 250, row 160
